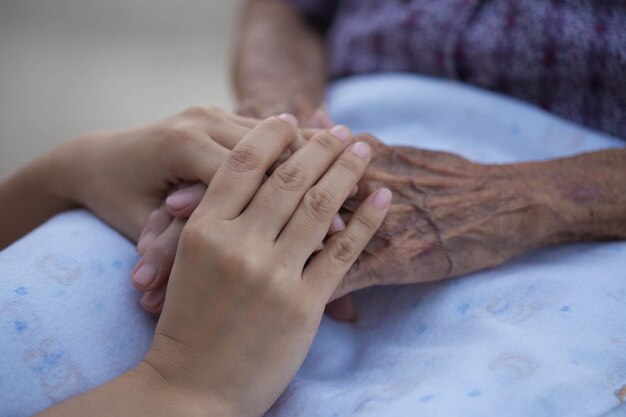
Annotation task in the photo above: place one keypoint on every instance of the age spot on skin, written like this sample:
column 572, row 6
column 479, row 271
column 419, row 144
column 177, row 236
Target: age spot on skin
column 61, row 268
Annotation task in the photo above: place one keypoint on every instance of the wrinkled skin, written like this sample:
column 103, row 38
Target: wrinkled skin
column 448, row 217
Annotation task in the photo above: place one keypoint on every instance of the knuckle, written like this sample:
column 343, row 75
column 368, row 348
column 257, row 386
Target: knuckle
column 326, row 142
column 365, row 224
column 290, row 177
column 202, row 112
column 350, row 163
column 180, row 133
column 344, row 249
column 277, row 128
column 245, row 158
column 194, row 238
column 319, row 204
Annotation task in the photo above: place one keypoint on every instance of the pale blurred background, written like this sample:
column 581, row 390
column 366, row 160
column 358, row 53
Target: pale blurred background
column 68, row 66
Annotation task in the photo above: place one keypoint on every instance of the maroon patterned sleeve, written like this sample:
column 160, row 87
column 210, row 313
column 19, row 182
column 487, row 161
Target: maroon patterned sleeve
column 321, row 12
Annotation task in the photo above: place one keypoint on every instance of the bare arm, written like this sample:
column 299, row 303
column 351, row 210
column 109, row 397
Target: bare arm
column 28, row 200
column 279, row 61
column 139, row 392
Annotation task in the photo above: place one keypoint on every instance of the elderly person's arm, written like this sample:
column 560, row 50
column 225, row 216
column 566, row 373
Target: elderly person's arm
column 451, row 217
column 280, row 63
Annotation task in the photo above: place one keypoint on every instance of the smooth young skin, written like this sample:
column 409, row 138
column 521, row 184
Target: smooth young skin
column 246, row 297
column 121, row 176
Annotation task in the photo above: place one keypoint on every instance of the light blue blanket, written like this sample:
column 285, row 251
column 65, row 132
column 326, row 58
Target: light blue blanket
column 542, row 336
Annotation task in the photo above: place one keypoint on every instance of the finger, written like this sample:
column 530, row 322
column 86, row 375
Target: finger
column 320, row 120
column 311, row 221
column 152, row 301
column 195, row 158
column 242, row 120
column 155, row 266
column 183, row 202
column 280, row 195
column 343, row 309
column 336, row 225
column 217, row 123
column 238, row 179
column 327, row 268
column 157, row 222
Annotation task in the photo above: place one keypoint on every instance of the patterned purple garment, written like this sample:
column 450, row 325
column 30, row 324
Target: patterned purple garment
column 567, row 56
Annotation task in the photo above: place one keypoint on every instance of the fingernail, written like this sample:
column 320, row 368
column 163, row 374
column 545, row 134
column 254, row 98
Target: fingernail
column 145, row 241
column 381, row 199
column 337, row 224
column 289, row 118
column 319, row 247
column 361, row 149
column 145, row 275
column 342, row 132
column 354, row 191
column 179, row 200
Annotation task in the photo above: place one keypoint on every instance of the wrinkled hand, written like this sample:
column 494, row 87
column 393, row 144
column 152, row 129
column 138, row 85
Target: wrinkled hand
column 449, row 217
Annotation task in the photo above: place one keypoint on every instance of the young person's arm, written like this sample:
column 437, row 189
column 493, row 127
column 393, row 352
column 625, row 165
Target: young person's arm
column 121, row 176
column 28, row 199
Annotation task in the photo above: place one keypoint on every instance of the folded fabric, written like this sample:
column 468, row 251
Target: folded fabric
column 544, row 335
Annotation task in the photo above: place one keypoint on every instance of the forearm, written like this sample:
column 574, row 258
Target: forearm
column 28, row 199
column 586, row 193
column 135, row 393
column 277, row 52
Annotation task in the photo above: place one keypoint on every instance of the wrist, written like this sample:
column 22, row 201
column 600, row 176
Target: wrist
column 172, row 397
column 178, row 370
column 580, row 197
column 540, row 222
column 64, row 170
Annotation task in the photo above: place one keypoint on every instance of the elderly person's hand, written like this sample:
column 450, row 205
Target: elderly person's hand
column 450, row 216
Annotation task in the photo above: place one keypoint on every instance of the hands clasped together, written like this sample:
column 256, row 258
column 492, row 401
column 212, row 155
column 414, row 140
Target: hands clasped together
column 244, row 268
column 250, row 281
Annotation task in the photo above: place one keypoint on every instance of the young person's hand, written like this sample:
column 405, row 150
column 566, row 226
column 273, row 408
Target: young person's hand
column 249, row 286
column 123, row 176
column 160, row 236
